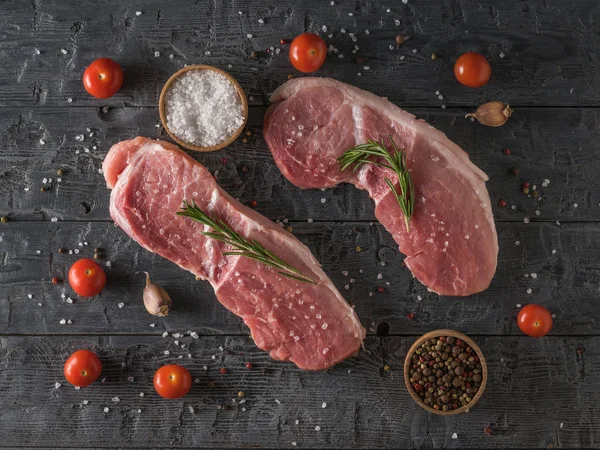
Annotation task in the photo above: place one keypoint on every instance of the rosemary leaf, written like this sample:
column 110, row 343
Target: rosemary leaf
column 242, row 247
column 358, row 155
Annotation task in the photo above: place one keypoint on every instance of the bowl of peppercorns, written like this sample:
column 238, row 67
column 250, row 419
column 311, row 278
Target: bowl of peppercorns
column 445, row 372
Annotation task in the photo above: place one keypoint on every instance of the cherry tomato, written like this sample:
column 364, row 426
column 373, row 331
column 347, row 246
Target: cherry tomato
column 172, row 381
column 472, row 69
column 86, row 277
column 534, row 320
column 103, row 78
column 308, row 52
column 82, row 368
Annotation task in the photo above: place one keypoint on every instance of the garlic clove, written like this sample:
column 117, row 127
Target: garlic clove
column 492, row 114
column 156, row 299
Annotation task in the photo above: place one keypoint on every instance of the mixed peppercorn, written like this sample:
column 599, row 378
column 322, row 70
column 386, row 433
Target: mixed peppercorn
column 446, row 373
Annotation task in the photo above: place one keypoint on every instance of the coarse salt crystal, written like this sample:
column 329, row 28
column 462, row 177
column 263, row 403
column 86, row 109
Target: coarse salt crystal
column 165, row 334
column 526, row 220
column 156, row 54
column 249, row 35
column 317, row 428
column 454, row 436
column 121, row 305
column 553, row 251
column 207, row 100
column 62, row 321
column 116, row 399
column 517, row 243
column 138, row 13
column 534, row 275
column 324, row 405
column 106, row 410
column 310, row 221
column 57, row 385
column 529, row 291
column 518, row 305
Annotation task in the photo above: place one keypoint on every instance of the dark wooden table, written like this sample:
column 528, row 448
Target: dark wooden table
column 545, row 56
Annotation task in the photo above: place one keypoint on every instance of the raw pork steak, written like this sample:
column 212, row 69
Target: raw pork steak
column 452, row 247
column 310, row 325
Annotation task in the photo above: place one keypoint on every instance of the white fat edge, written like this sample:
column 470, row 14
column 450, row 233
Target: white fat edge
column 358, row 123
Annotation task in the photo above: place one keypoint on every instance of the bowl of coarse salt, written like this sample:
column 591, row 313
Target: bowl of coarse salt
column 203, row 108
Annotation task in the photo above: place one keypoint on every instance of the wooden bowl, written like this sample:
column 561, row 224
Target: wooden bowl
column 163, row 115
column 454, row 334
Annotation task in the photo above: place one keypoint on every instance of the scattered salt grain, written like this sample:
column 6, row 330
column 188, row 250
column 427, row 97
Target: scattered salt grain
column 343, row 31
column 130, row 379
column 397, row 22
column 207, row 100
column 294, row 442
column 42, row 142
column 323, row 200
column 454, row 436
column 156, row 54
column 517, row 243
column 106, row 410
column 317, row 428
column 171, row 56
column 54, row 219
column 414, row 50
column 379, row 276
column 62, row 321
column 537, row 212
column 367, row 32
column 402, row 58
column 502, row 55
column 350, row 14
column 310, row 221
column 575, row 205
column 324, row 405
column 57, row 385
column 526, row 220
column 69, row 300
column 26, row 189
column 108, row 264
column 194, row 335
column 76, row 251
column 553, row 251
column 116, row 399
column 165, row 334
column 249, row 36
column 529, row 291
column 261, row 21
column 69, row 100
column 534, row 275
column 69, row 322
column 347, row 286
column 138, row 13
column 277, row 401
column 152, row 325
column 324, row 28
column 167, row 352
column 518, row 305
column 85, row 402
column 63, row 51
column 419, row 298
column 366, row 67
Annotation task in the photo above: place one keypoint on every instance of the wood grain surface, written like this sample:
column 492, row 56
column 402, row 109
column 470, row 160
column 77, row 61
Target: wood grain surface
column 541, row 393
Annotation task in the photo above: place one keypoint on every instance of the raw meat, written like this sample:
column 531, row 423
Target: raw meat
column 310, row 325
column 452, row 247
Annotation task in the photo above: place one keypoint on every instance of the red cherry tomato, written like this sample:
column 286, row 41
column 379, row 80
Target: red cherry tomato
column 472, row 70
column 103, row 78
column 82, row 368
column 308, row 52
column 87, row 278
column 172, row 381
column 534, row 320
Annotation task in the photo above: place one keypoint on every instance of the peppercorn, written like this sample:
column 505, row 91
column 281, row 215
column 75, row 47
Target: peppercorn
column 290, row 76
column 360, row 59
column 55, row 280
column 487, row 430
column 244, row 140
column 525, row 190
column 43, row 189
column 97, row 255
column 380, row 289
column 434, row 56
column 59, row 172
column 223, row 370
column 525, row 184
column 248, row 133
column 254, row 54
column 514, row 171
column 253, row 203
column 507, row 151
column 535, row 194
column 410, row 316
column 211, row 384
column 248, row 365
column 283, row 41
column 289, row 228
column 61, row 250
column 400, row 39
column 3, row 219
column 386, row 368
column 502, row 204
column 244, row 169
column 241, row 394
column 444, row 380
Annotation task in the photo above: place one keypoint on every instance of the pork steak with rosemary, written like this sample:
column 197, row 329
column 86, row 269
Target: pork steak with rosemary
column 293, row 319
column 452, row 246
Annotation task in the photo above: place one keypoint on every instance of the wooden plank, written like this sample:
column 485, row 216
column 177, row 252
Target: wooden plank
column 538, row 56
column 558, row 263
column 540, row 392
column 568, row 159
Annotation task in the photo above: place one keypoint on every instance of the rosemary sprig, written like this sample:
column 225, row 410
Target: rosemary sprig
column 396, row 161
column 243, row 247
